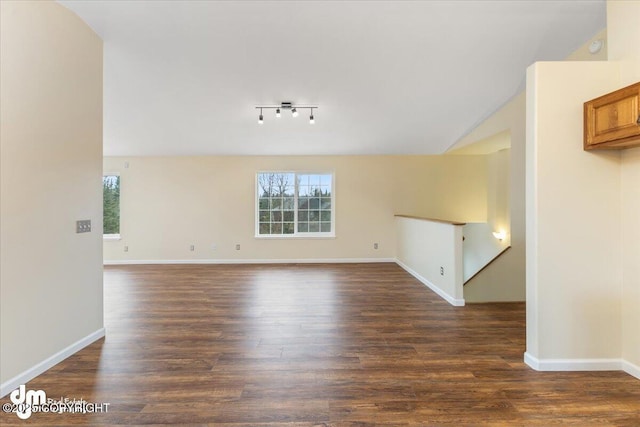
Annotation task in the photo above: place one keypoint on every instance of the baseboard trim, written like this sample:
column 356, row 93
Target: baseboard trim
column 582, row 365
column 631, row 369
column 451, row 300
column 31, row 373
column 250, row 261
column 531, row 361
column 572, row 364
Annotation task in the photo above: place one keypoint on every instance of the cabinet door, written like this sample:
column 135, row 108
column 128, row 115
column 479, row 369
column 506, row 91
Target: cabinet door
column 613, row 120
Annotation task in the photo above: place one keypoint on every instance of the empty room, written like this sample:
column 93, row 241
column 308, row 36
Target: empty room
column 320, row 213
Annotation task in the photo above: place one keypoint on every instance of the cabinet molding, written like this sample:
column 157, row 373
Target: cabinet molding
column 612, row 121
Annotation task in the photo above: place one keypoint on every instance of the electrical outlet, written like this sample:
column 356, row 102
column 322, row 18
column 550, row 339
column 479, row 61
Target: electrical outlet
column 214, row 246
column 83, row 226
column 442, row 271
column 126, row 248
column 238, row 247
column 192, row 248
column 375, row 246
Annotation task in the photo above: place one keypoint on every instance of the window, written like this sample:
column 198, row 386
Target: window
column 295, row 205
column 111, row 206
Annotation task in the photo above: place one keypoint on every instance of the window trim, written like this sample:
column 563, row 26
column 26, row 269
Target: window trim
column 118, row 236
column 296, row 235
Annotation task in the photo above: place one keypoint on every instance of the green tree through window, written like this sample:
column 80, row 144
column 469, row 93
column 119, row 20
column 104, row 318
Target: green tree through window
column 111, row 204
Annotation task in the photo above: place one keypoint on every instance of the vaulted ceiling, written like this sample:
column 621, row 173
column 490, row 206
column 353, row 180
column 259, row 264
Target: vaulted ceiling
column 389, row 77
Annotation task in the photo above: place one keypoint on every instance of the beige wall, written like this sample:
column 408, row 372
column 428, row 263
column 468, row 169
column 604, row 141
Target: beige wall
column 623, row 28
column 170, row 203
column 624, row 22
column 583, row 54
column 583, row 210
column 631, row 256
column 498, row 172
column 445, row 187
column 504, row 280
column 51, row 153
column 480, row 246
column 573, row 212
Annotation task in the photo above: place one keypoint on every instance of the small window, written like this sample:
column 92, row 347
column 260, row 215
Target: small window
column 111, row 206
column 293, row 204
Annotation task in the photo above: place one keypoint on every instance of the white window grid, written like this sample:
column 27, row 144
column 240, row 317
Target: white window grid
column 326, row 215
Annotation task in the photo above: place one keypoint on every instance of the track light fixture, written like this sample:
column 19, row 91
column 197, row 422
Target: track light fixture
column 286, row 106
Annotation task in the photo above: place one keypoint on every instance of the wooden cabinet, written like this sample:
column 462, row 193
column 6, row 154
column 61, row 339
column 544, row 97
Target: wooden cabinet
column 612, row 121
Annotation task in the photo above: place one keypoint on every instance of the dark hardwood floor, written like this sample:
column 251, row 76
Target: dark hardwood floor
column 316, row 345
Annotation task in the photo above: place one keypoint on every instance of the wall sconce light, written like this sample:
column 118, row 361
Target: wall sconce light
column 287, row 106
column 500, row 235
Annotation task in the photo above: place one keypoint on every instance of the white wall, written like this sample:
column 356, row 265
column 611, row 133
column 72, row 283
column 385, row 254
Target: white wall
column 51, row 154
column 425, row 247
column 170, row 203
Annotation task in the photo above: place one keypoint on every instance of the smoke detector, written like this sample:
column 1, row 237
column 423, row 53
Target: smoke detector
column 596, row 46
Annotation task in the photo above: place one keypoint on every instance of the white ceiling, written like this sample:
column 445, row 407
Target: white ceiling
column 390, row 77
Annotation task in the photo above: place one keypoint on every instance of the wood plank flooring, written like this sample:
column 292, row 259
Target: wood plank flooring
column 316, row 345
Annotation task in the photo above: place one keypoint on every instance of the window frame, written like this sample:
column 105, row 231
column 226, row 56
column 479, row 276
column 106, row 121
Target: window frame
column 296, row 235
column 116, row 236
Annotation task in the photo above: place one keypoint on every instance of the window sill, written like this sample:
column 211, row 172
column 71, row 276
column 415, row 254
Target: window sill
column 111, row 237
column 298, row 237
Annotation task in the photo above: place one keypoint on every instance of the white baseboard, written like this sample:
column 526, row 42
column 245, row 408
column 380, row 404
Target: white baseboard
column 250, row 261
column 31, row 373
column 582, row 365
column 572, row 364
column 451, row 300
column 531, row 361
column 631, row 369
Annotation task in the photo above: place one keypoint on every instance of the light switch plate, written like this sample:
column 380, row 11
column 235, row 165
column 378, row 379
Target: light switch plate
column 83, row 226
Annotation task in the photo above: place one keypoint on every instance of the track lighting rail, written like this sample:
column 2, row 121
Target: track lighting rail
column 286, row 106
